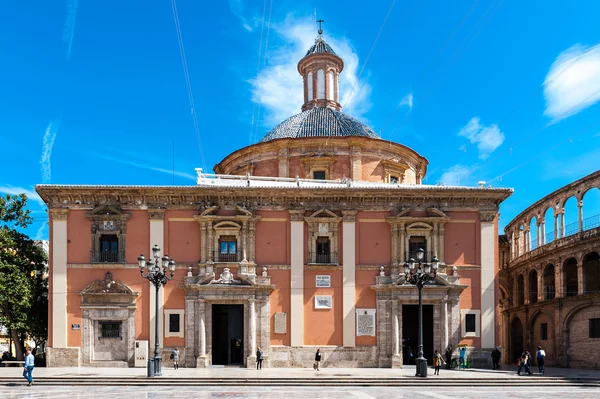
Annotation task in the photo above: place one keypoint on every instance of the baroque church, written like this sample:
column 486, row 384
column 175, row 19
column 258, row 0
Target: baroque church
column 297, row 242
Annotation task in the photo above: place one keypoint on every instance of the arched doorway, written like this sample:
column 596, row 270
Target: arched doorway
column 591, row 272
column 570, row 273
column 549, row 282
column 533, row 286
column 520, row 290
column 516, row 339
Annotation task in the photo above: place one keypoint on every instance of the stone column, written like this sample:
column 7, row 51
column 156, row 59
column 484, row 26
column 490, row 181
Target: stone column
column 526, row 287
column 402, row 241
column 251, row 333
column 191, row 336
column 202, row 359
column 203, row 248
column 540, row 283
column 349, row 279
column 580, row 285
column 442, row 243
column 209, row 240
column 489, row 241
column 396, row 339
column 556, row 224
column 580, row 214
column 245, row 241
column 542, row 238
column 283, row 158
column 355, row 155
column 157, row 237
column 395, row 256
column 58, row 282
column 297, row 278
column 444, row 318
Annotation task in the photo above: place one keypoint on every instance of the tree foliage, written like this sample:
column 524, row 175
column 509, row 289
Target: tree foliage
column 23, row 283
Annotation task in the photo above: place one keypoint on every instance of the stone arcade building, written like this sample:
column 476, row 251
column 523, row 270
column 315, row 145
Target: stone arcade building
column 550, row 279
column 297, row 243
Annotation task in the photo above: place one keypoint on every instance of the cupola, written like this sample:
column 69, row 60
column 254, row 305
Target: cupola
column 320, row 69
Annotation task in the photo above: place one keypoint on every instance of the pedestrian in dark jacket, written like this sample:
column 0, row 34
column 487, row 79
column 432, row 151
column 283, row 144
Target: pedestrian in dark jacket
column 317, row 360
column 524, row 362
column 259, row 359
column 496, row 358
column 448, row 357
column 541, row 359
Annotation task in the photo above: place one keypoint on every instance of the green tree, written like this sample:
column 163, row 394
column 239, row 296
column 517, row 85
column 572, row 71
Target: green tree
column 23, row 286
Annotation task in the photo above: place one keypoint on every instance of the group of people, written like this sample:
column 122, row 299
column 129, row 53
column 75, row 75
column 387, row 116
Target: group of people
column 524, row 361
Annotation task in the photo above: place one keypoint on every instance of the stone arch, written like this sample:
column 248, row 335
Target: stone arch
column 533, row 233
column 540, row 335
column 570, row 216
column 591, row 208
column 549, row 283
column 591, row 272
column 549, row 233
column 516, row 338
column 532, row 290
column 577, row 343
column 570, row 276
column 520, row 290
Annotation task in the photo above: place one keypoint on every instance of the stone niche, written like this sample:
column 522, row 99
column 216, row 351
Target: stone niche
column 108, row 322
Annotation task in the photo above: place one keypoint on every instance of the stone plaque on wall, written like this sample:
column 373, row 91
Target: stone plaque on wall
column 365, row 322
column 280, row 326
column 323, row 281
column 323, row 228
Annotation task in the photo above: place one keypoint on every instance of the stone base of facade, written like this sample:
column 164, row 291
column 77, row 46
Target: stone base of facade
column 331, row 356
column 63, row 357
column 480, row 358
column 396, row 361
column 202, row 362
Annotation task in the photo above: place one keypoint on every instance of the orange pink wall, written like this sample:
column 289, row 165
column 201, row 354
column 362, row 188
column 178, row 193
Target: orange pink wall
column 323, row 326
column 373, row 239
column 138, row 236
column 79, row 237
column 279, row 301
column 182, row 235
column 175, row 300
column 462, row 235
column 272, row 238
column 365, row 298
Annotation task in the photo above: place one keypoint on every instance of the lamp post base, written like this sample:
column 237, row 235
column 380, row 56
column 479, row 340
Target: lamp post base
column 154, row 367
column 421, row 363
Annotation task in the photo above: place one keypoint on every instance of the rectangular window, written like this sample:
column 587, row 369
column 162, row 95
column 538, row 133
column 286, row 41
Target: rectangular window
column 319, row 175
column 227, row 249
column 543, row 331
column 323, row 254
column 110, row 329
column 414, row 244
column 594, row 328
column 109, row 249
column 174, row 322
column 394, row 179
column 470, row 323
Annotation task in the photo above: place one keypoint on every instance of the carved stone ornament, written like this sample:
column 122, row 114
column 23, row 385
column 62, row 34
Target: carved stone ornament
column 156, row 214
column 107, row 286
column 487, row 217
column 59, row 214
column 226, row 278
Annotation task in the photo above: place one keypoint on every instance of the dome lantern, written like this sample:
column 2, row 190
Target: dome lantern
column 320, row 69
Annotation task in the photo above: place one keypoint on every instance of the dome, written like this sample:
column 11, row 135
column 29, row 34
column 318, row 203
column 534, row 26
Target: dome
column 319, row 122
column 320, row 47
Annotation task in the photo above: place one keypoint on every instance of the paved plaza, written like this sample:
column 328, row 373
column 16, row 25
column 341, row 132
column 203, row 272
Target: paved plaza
column 38, row 392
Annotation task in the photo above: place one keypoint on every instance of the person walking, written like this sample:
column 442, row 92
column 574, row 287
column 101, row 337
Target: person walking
column 175, row 358
column 496, row 358
column 541, row 359
column 259, row 359
column 317, row 364
column 448, row 357
column 438, row 360
column 462, row 350
column 28, row 367
column 524, row 362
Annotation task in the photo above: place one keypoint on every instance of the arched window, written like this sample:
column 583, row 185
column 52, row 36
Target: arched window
column 570, row 273
column 309, row 87
column 549, row 282
column 533, row 286
column 520, row 290
column 320, row 84
column 331, row 79
column 533, row 234
column 591, row 272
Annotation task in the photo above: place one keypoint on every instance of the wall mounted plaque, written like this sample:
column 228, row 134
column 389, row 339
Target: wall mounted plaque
column 323, row 302
column 280, row 323
column 323, row 281
column 365, row 322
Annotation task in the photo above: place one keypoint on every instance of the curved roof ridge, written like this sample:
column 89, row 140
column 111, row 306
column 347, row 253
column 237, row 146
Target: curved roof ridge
column 320, row 122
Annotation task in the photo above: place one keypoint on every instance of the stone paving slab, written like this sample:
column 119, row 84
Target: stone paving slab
column 292, row 373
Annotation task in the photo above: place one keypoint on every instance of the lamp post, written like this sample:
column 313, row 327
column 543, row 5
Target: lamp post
column 420, row 273
column 155, row 271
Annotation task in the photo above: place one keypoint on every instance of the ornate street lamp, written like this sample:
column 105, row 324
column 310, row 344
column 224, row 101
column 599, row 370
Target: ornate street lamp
column 420, row 273
column 156, row 273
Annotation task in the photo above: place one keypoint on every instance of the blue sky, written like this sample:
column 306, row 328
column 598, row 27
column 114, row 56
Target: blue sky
column 503, row 91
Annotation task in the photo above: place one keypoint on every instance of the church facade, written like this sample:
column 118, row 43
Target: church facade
column 296, row 243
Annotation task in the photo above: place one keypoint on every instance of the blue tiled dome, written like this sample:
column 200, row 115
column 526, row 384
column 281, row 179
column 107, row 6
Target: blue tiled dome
column 319, row 122
column 320, row 47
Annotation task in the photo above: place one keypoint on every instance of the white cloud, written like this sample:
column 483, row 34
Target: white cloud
column 69, row 27
column 407, row 100
column 577, row 87
column 30, row 192
column 457, row 175
column 41, row 233
column 487, row 138
column 48, row 143
column 278, row 87
column 237, row 8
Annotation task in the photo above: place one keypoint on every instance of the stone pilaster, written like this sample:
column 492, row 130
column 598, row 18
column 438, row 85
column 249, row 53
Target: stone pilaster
column 202, row 359
column 58, row 282
column 297, row 278
column 349, row 279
